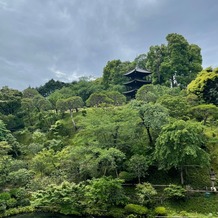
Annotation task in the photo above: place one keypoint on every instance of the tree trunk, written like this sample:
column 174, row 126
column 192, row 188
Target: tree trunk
column 139, row 179
column 205, row 120
column 115, row 135
column 71, row 115
column 182, row 176
column 116, row 173
column 149, row 135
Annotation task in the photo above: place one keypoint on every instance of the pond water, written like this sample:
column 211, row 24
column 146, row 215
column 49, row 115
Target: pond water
column 43, row 215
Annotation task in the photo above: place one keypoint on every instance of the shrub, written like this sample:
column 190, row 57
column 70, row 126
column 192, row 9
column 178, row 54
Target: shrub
column 15, row 211
column 136, row 209
column 21, row 195
column 131, row 216
column 145, row 193
column 116, row 212
column 5, row 196
column 2, row 207
column 12, row 202
column 175, row 192
column 126, row 176
column 161, row 211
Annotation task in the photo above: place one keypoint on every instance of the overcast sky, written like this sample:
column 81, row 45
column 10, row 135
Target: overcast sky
column 67, row 39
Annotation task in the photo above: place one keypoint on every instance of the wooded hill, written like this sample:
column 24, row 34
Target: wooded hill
column 70, row 148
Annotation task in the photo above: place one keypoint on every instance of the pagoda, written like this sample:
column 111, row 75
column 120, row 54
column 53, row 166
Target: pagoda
column 137, row 78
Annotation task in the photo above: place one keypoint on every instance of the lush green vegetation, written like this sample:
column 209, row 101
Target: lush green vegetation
column 81, row 148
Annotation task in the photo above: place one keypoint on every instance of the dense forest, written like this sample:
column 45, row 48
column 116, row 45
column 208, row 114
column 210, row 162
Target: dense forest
column 83, row 148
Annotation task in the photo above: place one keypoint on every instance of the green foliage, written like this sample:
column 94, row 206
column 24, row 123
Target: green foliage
column 179, row 144
column 44, row 162
column 8, row 142
column 153, row 117
column 117, row 97
column 10, row 200
column 63, row 167
column 113, row 72
column 140, row 61
column 65, row 198
column 204, row 111
column 59, row 130
column 176, row 63
column 176, row 105
column 110, row 160
column 136, row 209
column 98, row 99
column 50, row 87
column 5, row 196
column 126, row 176
column 10, row 100
column 138, row 166
column 20, row 177
column 147, row 94
column 175, row 192
column 205, row 86
column 183, row 62
column 109, row 127
column 11, row 203
column 145, row 193
column 21, row 195
column 160, row 211
column 155, row 57
column 103, row 193
column 30, row 93
column 74, row 102
column 117, row 212
column 16, row 211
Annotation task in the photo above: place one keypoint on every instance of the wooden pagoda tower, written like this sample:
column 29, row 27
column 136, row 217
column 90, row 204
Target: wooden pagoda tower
column 137, row 78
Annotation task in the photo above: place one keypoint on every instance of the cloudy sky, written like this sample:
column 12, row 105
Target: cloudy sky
column 67, row 39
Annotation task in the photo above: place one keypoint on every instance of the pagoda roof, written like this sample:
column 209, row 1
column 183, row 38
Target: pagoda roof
column 139, row 81
column 130, row 92
column 138, row 71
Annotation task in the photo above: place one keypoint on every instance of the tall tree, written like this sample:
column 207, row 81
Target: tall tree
column 181, row 143
column 141, row 61
column 203, row 111
column 74, row 102
column 153, row 117
column 138, row 166
column 50, row 87
column 176, row 105
column 10, row 100
column 176, row 63
column 103, row 193
column 9, row 139
column 113, row 72
column 97, row 99
column 110, row 127
column 183, row 61
column 155, row 58
column 205, row 85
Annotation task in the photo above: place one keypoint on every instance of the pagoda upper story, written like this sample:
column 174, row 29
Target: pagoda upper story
column 137, row 78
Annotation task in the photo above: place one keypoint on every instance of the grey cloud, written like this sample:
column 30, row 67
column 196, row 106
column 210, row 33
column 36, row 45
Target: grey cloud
column 62, row 39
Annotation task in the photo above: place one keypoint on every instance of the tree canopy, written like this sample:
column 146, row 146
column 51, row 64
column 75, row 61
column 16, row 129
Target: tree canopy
column 205, row 85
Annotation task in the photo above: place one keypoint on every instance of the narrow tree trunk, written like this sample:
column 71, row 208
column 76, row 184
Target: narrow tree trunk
column 205, row 120
column 116, row 172
column 115, row 135
column 105, row 171
column 149, row 135
column 139, row 179
column 182, row 176
column 71, row 115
